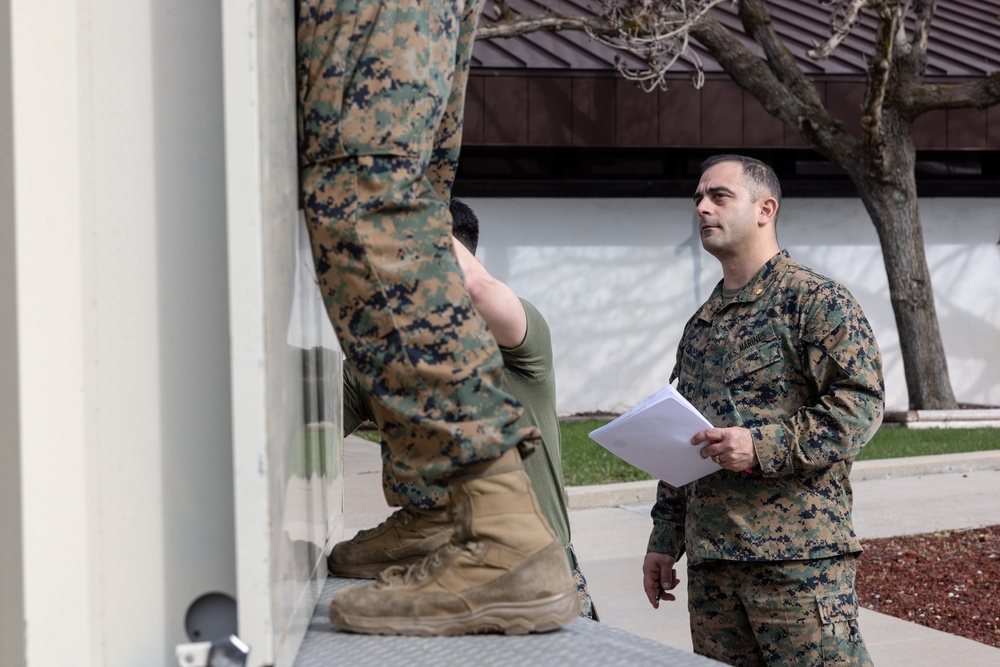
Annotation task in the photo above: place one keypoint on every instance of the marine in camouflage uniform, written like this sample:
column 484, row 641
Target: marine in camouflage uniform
column 787, row 364
column 381, row 95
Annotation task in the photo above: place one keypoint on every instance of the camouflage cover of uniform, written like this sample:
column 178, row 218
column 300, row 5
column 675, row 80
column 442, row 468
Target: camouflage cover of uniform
column 794, row 360
column 377, row 158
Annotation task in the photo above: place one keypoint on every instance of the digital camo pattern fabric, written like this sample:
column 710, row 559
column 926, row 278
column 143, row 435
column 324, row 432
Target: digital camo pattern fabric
column 364, row 65
column 416, row 492
column 376, row 82
column 448, row 140
column 798, row 613
column 794, row 360
column 587, row 608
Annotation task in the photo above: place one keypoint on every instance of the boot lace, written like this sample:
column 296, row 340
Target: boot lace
column 422, row 570
column 402, row 515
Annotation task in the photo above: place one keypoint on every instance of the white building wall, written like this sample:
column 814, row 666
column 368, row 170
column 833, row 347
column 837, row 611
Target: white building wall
column 618, row 278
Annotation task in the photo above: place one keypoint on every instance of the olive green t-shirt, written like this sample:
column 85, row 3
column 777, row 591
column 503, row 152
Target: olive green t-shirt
column 529, row 377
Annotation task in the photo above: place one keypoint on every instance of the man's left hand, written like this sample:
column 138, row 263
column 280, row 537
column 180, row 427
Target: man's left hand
column 732, row 448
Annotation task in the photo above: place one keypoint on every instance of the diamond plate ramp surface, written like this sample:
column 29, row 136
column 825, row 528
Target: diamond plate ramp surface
column 582, row 642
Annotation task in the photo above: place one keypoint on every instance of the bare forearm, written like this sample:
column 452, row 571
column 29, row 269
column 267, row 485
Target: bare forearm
column 493, row 300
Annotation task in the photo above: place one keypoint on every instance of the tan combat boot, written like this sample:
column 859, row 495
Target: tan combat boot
column 405, row 537
column 504, row 570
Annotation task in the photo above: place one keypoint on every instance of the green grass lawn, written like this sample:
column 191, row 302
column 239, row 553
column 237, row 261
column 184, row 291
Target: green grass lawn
column 368, row 434
column 586, row 462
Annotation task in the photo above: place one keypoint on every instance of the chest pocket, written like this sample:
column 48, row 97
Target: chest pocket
column 759, row 351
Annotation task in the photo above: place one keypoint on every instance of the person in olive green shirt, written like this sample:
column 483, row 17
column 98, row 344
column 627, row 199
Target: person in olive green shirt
column 526, row 347
column 784, row 364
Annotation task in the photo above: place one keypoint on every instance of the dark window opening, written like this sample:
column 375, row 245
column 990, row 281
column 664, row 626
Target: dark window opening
column 487, row 171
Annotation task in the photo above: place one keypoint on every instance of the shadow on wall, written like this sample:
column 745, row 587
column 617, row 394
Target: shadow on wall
column 616, row 292
column 966, row 308
column 617, row 279
column 967, row 303
column 609, row 311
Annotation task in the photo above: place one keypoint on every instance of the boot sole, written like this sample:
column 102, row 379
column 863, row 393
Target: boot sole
column 508, row 618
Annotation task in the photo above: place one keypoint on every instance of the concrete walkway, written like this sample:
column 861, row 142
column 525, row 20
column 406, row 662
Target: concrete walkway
column 891, row 497
column 611, row 523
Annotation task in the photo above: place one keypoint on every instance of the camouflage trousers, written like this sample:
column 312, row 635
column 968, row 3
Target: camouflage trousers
column 587, row 608
column 381, row 90
column 794, row 613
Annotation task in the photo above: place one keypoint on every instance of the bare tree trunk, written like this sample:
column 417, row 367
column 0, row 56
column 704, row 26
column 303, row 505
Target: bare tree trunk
column 889, row 191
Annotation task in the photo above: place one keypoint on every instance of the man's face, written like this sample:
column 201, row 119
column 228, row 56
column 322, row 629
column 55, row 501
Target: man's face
column 727, row 216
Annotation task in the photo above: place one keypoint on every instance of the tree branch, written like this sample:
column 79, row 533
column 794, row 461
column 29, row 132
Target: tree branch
column 923, row 10
column 879, row 74
column 851, row 12
column 758, row 27
column 501, row 9
column 793, row 98
column 513, row 25
column 807, row 116
column 979, row 94
column 657, row 32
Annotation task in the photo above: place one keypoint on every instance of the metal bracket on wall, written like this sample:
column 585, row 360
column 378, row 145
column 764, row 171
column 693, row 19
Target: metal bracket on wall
column 225, row 652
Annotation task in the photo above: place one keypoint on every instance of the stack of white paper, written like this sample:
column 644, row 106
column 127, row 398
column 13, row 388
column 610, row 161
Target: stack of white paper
column 655, row 436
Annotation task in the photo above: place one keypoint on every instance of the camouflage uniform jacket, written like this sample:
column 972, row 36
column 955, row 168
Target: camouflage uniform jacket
column 793, row 359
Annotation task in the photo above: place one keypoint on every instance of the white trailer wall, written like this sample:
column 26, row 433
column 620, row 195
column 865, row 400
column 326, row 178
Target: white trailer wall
column 287, row 430
column 117, row 354
column 120, row 423
column 618, row 278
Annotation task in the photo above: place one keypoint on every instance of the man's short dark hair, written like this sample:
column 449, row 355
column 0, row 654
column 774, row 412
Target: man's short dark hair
column 759, row 178
column 464, row 225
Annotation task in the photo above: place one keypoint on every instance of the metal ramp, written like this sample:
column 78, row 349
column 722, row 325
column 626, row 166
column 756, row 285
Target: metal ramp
column 582, row 642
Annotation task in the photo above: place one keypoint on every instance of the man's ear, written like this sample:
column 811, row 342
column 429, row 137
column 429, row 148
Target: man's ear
column 768, row 210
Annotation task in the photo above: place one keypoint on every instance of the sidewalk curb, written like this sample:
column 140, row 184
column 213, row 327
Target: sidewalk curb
column 644, row 492
column 611, row 495
column 925, row 465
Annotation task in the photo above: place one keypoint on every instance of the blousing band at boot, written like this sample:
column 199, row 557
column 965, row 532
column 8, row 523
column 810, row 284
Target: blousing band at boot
column 378, row 155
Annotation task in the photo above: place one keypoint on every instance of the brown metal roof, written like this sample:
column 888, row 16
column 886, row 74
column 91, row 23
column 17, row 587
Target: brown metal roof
column 964, row 40
column 561, row 89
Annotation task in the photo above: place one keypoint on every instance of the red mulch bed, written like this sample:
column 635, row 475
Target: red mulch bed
column 949, row 581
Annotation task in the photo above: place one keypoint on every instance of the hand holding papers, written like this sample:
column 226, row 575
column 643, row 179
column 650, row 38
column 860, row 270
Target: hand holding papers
column 655, row 436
